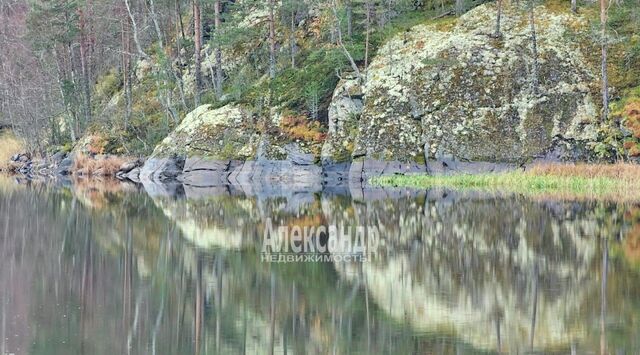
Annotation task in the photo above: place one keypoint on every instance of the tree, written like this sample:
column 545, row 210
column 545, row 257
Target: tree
column 135, row 30
column 368, row 10
column 497, row 34
column 197, row 40
column 272, row 39
column 291, row 7
column 218, row 50
column 84, row 16
column 334, row 9
column 459, row 7
column 574, row 6
column 54, row 29
column 349, row 10
column 126, row 69
column 534, row 49
column 604, row 7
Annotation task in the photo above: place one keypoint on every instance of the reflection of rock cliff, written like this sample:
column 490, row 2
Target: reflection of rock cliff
column 500, row 274
column 234, row 220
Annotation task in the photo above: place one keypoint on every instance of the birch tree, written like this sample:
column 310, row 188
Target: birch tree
column 354, row 67
column 197, row 40
column 534, row 49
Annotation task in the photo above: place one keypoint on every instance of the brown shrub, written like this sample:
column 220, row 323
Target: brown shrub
column 9, row 146
column 300, row 127
column 85, row 165
column 632, row 115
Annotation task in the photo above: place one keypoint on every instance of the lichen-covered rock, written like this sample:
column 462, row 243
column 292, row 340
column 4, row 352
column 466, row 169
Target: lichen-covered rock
column 227, row 132
column 458, row 92
column 344, row 113
column 214, row 147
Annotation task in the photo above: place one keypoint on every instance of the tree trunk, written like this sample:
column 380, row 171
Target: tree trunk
column 74, row 80
column 178, row 72
column 498, row 17
column 334, row 8
column 197, row 39
column 367, row 5
column 534, row 50
column 69, row 117
column 459, row 7
column 292, row 38
column 349, row 11
column 135, row 30
column 605, row 77
column 272, row 40
column 574, row 6
column 126, row 70
column 156, row 24
column 86, row 81
column 179, row 23
column 84, row 67
column 218, row 50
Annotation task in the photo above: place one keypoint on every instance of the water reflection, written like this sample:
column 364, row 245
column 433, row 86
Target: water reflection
column 106, row 268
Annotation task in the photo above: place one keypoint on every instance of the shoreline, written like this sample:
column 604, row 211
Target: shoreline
column 620, row 181
column 573, row 181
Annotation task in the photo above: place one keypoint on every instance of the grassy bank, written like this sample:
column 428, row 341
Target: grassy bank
column 618, row 181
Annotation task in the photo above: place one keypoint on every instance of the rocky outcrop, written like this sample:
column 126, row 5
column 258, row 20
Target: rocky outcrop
column 344, row 116
column 440, row 98
column 452, row 95
column 232, row 145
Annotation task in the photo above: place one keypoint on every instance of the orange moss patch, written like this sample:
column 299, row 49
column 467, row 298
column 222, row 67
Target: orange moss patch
column 300, row 127
column 85, row 165
column 631, row 114
column 92, row 144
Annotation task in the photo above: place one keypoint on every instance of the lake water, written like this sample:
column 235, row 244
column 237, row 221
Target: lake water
column 107, row 268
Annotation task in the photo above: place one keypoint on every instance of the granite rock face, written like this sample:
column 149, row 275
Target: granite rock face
column 453, row 94
column 344, row 115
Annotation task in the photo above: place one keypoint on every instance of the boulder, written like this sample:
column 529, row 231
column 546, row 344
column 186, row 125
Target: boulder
column 344, row 114
column 57, row 158
column 219, row 146
column 130, row 165
column 65, row 166
column 451, row 95
column 162, row 169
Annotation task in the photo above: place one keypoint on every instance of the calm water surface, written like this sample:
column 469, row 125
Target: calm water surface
column 106, row 268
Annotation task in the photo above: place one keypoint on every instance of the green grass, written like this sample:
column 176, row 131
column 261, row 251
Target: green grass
column 519, row 182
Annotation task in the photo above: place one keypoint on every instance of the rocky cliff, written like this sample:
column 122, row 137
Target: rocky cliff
column 444, row 97
column 458, row 94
